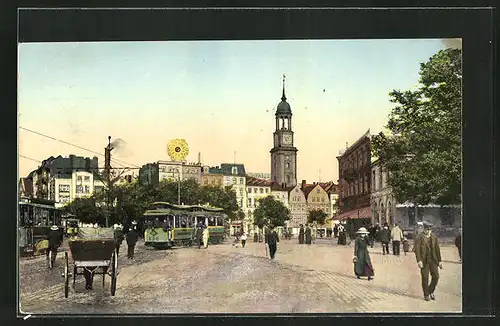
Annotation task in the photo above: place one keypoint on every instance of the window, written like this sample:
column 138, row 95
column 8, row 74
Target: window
column 87, row 178
column 64, row 188
column 261, row 190
column 381, row 180
column 79, row 178
column 267, row 190
column 205, row 181
column 213, row 182
column 249, row 202
column 87, row 189
column 234, row 170
column 318, row 190
column 287, row 165
column 249, row 190
column 79, row 189
column 212, row 221
column 241, row 181
column 241, row 192
column 234, row 180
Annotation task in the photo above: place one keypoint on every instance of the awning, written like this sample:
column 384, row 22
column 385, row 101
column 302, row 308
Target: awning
column 364, row 212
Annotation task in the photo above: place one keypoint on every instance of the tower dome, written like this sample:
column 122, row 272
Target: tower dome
column 283, row 107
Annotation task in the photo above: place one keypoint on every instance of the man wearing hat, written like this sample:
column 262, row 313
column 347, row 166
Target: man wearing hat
column 55, row 239
column 119, row 237
column 428, row 257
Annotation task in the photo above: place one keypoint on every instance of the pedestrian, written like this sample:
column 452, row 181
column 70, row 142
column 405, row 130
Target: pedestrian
column 458, row 243
column 301, row 234
column 206, row 237
column 308, row 234
column 372, row 231
column 199, row 235
column 428, row 255
column 119, row 237
column 54, row 239
column 362, row 262
column 385, row 238
column 272, row 242
column 243, row 239
column 132, row 238
column 396, row 236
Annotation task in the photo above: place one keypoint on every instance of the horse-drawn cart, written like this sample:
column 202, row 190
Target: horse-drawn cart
column 93, row 252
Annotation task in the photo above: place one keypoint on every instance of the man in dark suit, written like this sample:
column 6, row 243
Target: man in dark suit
column 428, row 257
column 272, row 242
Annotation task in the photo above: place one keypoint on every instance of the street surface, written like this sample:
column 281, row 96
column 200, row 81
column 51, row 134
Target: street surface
column 315, row 278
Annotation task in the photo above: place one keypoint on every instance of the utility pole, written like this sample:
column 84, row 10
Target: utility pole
column 178, row 186
column 107, row 174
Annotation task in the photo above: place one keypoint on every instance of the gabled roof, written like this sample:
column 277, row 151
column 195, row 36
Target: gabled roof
column 330, row 187
column 257, row 182
column 228, row 167
column 307, row 188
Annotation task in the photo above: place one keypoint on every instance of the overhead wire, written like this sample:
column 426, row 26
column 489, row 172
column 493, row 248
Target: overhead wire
column 119, row 162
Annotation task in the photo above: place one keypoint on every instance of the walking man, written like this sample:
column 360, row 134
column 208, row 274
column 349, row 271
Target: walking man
column 397, row 237
column 119, row 237
column 301, row 234
column 55, row 239
column 243, row 240
column 458, row 243
column 384, row 236
column 132, row 238
column 272, row 242
column 428, row 257
column 199, row 235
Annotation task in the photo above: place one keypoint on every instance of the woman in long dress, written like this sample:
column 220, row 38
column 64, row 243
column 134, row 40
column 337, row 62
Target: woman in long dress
column 206, row 236
column 362, row 262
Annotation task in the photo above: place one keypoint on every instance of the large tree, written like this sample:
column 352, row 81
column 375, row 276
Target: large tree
column 271, row 213
column 422, row 151
column 316, row 215
column 87, row 210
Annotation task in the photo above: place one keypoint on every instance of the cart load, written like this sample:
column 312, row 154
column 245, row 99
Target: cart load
column 93, row 251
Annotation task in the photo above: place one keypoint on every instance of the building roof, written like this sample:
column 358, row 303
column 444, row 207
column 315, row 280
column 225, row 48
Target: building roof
column 330, row 187
column 257, row 182
column 356, row 143
column 283, row 108
column 227, row 169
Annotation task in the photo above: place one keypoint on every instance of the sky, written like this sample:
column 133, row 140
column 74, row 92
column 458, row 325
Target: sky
column 220, row 96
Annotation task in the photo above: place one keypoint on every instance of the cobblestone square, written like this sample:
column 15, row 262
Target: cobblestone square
column 315, row 278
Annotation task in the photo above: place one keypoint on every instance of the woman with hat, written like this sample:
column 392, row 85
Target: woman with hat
column 362, row 262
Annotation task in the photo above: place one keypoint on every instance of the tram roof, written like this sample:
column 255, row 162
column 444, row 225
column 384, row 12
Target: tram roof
column 39, row 205
column 165, row 205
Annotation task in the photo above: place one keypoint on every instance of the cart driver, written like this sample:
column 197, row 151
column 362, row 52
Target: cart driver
column 55, row 239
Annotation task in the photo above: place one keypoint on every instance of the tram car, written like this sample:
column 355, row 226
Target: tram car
column 35, row 217
column 168, row 225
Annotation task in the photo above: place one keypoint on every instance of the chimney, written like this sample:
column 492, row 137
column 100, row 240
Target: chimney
column 303, row 183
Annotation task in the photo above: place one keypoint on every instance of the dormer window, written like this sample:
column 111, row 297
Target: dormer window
column 234, row 170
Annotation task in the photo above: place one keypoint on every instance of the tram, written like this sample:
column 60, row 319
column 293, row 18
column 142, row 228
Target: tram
column 167, row 225
column 35, row 217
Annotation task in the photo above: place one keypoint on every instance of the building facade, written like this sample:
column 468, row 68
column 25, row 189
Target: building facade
column 260, row 175
column 298, row 208
column 284, row 153
column 355, row 180
column 153, row 173
column 256, row 189
column 383, row 203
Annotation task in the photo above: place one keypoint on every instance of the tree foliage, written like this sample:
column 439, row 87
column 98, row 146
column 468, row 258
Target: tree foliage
column 316, row 215
column 422, row 152
column 131, row 200
column 270, row 213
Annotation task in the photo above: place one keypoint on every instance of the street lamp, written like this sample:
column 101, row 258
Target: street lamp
column 178, row 185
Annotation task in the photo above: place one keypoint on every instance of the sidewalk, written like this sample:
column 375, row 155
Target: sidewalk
column 395, row 288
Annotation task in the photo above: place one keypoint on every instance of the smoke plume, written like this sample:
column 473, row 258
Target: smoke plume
column 121, row 148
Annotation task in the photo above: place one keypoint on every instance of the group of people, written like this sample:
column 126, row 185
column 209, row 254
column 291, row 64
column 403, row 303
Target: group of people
column 427, row 254
column 202, row 235
column 305, row 234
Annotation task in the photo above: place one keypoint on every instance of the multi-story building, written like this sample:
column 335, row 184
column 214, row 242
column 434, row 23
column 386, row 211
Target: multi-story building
column 153, row 173
column 63, row 179
column 333, row 197
column 382, row 199
column 211, row 179
column 298, row 208
column 355, row 181
column 385, row 208
column 255, row 188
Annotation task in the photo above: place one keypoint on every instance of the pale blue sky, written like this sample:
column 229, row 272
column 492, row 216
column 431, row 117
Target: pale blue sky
column 219, row 96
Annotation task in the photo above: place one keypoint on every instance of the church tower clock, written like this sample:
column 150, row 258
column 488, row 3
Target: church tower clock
column 284, row 154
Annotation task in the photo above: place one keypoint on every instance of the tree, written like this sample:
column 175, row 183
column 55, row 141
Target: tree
column 316, row 215
column 224, row 198
column 422, row 152
column 86, row 210
column 271, row 213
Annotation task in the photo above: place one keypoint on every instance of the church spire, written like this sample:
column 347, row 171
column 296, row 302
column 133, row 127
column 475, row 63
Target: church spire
column 283, row 98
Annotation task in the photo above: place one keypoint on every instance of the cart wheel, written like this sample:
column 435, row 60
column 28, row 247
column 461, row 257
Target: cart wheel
column 114, row 271
column 66, row 275
column 74, row 275
column 103, row 278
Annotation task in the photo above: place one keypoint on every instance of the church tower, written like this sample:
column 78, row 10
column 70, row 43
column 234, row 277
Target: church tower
column 284, row 154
